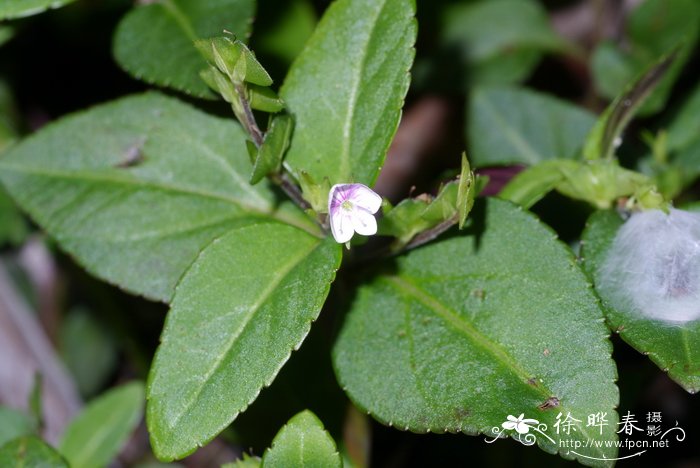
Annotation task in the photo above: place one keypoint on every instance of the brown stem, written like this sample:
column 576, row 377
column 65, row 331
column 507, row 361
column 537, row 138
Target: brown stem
column 291, row 189
column 426, row 236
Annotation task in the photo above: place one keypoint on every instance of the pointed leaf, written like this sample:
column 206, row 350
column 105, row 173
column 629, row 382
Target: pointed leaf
column 269, row 155
column 515, row 125
column 606, row 134
column 10, row 9
column 302, row 443
column 529, row 186
column 497, row 321
column 30, row 451
column 155, row 41
column 97, row 434
column 347, row 87
column 675, row 349
column 239, row 311
column 136, row 188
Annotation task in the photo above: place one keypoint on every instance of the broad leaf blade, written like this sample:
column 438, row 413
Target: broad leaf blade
column 136, row 188
column 155, row 41
column 302, row 443
column 471, row 329
column 347, row 87
column 239, row 311
column 514, row 125
column 675, row 349
column 500, row 41
column 10, row 9
column 97, row 434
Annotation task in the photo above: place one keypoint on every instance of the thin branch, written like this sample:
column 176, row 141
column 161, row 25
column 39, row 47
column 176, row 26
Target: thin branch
column 431, row 234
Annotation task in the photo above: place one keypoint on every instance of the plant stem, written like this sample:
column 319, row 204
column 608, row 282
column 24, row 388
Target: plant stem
column 245, row 114
column 426, row 236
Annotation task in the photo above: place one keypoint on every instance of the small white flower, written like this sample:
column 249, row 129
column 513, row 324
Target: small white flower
column 521, row 425
column 351, row 208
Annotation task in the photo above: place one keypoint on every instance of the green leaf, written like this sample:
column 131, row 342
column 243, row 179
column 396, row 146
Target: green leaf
column 97, row 434
column 13, row 424
column 286, row 37
column 530, row 185
column 155, row 40
column 653, row 29
column 497, row 321
column 87, row 350
column 6, row 33
column 10, row 9
column 675, row 349
column 30, row 451
column 239, row 311
column 247, row 461
column 13, row 228
column 269, row 157
column 347, row 87
column 606, row 134
column 683, row 129
column 303, row 443
column 135, row 189
column 501, row 41
column 515, row 125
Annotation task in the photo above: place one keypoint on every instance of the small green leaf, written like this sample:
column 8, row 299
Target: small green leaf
column 683, row 129
column 87, row 350
column 606, row 134
column 155, row 40
column 530, row 185
column 239, row 311
column 247, row 461
column 501, row 41
column 233, row 58
column 30, row 451
column 13, row 424
column 264, row 99
column 347, row 87
column 10, row 9
column 136, row 188
column 497, row 321
column 286, row 36
column 675, row 349
column 466, row 191
column 97, row 434
column 515, row 125
column 270, row 154
column 653, row 29
column 302, row 443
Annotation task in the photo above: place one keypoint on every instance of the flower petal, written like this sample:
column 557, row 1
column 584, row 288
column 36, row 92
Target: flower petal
column 366, row 198
column 522, row 428
column 363, row 222
column 341, row 226
column 508, row 425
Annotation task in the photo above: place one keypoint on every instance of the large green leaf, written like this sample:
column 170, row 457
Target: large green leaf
column 674, row 348
column 239, row 311
column 97, row 434
column 20, row 8
column 346, row 89
column 501, row 41
column 514, row 125
column 155, row 41
column 30, row 451
column 302, row 443
column 135, row 189
column 459, row 334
